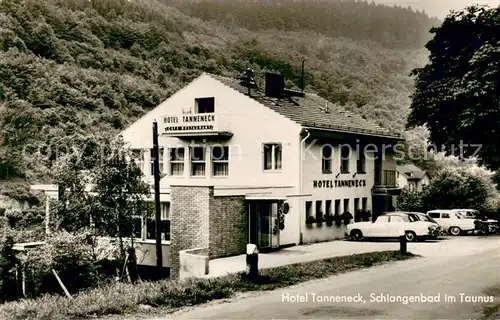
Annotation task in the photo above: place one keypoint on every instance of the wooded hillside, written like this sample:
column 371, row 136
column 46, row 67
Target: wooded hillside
column 72, row 69
column 395, row 27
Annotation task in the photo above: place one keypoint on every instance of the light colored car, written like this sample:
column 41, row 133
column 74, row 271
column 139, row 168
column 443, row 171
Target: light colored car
column 472, row 214
column 423, row 217
column 392, row 225
column 467, row 213
column 451, row 221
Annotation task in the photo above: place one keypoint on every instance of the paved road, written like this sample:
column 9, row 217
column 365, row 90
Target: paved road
column 465, row 265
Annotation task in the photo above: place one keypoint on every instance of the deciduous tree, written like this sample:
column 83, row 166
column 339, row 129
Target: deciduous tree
column 457, row 93
column 103, row 186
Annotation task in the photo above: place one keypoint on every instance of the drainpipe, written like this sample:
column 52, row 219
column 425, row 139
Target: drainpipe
column 301, row 181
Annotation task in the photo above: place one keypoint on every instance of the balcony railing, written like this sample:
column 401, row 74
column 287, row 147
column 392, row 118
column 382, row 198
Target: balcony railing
column 386, row 178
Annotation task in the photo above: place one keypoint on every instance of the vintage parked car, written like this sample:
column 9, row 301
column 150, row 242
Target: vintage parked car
column 439, row 230
column 474, row 214
column 453, row 222
column 467, row 213
column 483, row 225
column 392, row 225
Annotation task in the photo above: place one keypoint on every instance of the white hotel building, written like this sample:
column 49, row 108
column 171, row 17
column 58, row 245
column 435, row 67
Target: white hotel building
column 266, row 146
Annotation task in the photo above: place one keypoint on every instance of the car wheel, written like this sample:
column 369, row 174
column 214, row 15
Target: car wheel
column 356, row 235
column 455, row 231
column 410, row 236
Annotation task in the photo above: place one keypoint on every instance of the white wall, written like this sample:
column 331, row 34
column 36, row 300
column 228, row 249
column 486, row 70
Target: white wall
column 313, row 171
column 252, row 125
column 291, row 233
column 146, row 253
column 401, row 180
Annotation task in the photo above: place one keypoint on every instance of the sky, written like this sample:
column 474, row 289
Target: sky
column 438, row 8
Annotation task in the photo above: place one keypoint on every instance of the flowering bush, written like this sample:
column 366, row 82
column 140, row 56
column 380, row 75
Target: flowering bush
column 346, row 217
column 338, row 219
column 310, row 220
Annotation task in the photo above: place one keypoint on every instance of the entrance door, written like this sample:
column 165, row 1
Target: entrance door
column 261, row 216
column 264, row 217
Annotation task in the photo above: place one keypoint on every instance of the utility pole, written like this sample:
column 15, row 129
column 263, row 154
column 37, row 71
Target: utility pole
column 302, row 77
column 156, row 169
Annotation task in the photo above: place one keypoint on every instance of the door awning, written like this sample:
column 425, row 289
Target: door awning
column 264, row 197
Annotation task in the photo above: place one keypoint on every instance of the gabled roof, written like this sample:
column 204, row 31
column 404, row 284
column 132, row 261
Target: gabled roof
column 309, row 111
column 411, row 171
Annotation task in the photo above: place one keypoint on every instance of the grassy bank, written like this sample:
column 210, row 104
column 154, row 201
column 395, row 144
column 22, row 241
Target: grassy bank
column 121, row 298
column 492, row 311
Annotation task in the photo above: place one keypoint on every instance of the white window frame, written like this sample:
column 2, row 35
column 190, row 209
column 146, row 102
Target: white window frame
column 138, row 158
column 275, row 165
column 345, row 161
column 161, row 153
column 318, row 212
column 326, row 163
column 364, row 203
column 141, row 236
column 198, row 162
column 165, row 216
column 216, row 162
column 361, row 159
column 176, row 161
column 346, row 205
column 328, row 207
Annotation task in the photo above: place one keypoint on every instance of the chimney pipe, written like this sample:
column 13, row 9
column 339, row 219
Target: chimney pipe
column 249, row 80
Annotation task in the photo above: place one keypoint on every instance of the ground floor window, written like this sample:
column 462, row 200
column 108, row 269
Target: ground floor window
column 356, row 204
column 164, row 229
column 164, row 224
column 319, row 211
column 144, row 228
column 337, row 207
column 346, row 205
column 328, row 207
column 309, row 213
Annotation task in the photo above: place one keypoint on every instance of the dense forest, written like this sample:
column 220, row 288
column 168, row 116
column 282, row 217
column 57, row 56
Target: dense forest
column 395, row 27
column 71, row 70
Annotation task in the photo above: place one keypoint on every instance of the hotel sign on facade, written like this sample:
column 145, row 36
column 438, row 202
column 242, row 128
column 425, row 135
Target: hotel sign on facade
column 189, row 123
column 338, row 183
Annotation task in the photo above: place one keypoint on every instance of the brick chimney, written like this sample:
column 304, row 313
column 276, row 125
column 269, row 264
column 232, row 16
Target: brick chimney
column 275, row 85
